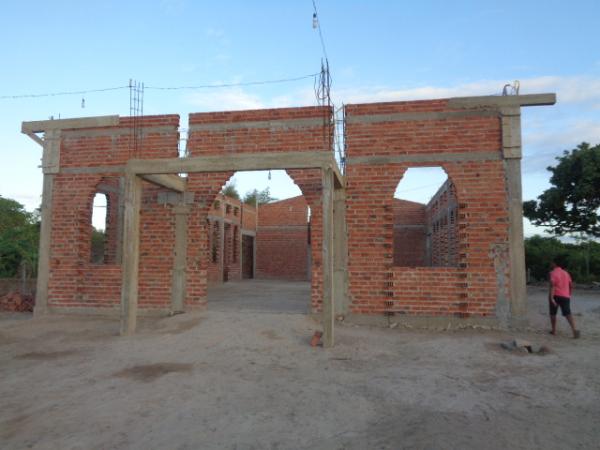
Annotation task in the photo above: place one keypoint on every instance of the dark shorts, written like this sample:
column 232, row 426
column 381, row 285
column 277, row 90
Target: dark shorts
column 564, row 303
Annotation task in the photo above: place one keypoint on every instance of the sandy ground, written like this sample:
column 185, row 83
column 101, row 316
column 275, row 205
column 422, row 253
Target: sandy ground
column 241, row 379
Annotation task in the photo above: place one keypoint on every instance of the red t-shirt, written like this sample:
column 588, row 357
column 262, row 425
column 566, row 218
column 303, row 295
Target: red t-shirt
column 561, row 280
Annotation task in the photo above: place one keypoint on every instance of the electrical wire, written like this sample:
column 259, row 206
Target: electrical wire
column 56, row 94
column 171, row 88
column 320, row 32
column 226, row 85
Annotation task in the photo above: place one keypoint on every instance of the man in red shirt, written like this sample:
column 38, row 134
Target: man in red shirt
column 561, row 287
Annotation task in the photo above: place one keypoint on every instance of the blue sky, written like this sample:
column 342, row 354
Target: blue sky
column 378, row 50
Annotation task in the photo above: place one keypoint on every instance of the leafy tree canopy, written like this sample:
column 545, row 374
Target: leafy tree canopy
column 19, row 238
column 259, row 197
column 572, row 204
column 230, row 190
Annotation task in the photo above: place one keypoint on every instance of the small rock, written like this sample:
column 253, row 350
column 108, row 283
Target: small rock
column 393, row 324
column 507, row 345
column 521, row 343
column 535, row 348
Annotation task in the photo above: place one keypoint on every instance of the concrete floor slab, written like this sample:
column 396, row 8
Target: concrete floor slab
column 266, row 296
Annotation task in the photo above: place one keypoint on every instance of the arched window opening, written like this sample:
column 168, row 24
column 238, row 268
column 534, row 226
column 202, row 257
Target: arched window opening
column 425, row 219
column 99, row 228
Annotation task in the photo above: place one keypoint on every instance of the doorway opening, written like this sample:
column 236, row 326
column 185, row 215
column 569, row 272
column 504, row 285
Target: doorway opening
column 260, row 245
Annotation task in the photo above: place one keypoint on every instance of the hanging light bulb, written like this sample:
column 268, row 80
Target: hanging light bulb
column 83, row 102
column 269, row 175
column 315, row 22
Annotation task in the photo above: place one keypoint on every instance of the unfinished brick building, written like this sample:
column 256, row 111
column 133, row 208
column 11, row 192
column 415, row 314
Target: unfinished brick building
column 231, row 228
column 162, row 252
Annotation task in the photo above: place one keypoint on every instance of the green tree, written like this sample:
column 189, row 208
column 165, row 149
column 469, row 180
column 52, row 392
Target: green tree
column 572, row 204
column 230, row 190
column 258, row 197
column 582, row 259
column 19, row 238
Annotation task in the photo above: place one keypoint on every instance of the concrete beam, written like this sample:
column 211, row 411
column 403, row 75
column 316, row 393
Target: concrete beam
column 275, row 124
column 39, row 126
column 416, row 116
column 437, row 157
column 327, row 266
column 169, row 181
column 241, row 161
column 503, row 100
column 131, row 254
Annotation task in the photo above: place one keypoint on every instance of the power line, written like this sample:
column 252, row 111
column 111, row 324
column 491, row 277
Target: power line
column 316, row 14
column 56, row 94
column 171, row 88
column 225, row 85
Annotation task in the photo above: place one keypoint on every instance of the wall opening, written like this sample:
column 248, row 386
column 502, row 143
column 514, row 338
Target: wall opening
column 262, row 222
column 99, row 226
column 425, row 215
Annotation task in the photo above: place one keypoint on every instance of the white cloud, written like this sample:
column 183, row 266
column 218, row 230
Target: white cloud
column 573, row 89
column 225, row 99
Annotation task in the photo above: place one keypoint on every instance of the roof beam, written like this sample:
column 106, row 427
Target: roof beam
column 236, row 162
column 503, row 100
column 39, row 126
column 173, row 182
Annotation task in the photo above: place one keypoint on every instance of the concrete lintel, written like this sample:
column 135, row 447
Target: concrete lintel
column 39, row 126
column 503, row 100
column 271, row 124
column 94, row 169
column 438, row 157
column 416, row 116
column 169, row 181
column 226, row 163
column 118, row 132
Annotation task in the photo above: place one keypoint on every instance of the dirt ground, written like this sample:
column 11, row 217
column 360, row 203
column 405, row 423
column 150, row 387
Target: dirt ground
column 244, row 379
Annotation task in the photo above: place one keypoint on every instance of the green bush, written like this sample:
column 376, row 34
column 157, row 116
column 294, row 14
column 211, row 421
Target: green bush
column 582, row 259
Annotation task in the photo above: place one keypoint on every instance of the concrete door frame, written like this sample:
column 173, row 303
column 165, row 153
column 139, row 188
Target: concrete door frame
column 162, row 172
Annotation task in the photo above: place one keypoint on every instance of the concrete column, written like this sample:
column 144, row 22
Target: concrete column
column 120, row 214
column 511, row 143
column 178, row 279
column 327, row 267
column 340, row 253
column 43, row 273
column 50, row 167
column 131, row 253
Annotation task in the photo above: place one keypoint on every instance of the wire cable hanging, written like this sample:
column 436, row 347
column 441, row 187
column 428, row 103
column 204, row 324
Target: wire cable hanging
column 171, row 88
column 56, row 94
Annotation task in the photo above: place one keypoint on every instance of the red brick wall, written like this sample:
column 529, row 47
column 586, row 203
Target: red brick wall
column 76, row 282
column 282, row 240
column 442, row 215
column 410, row 233
column 376, row 286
